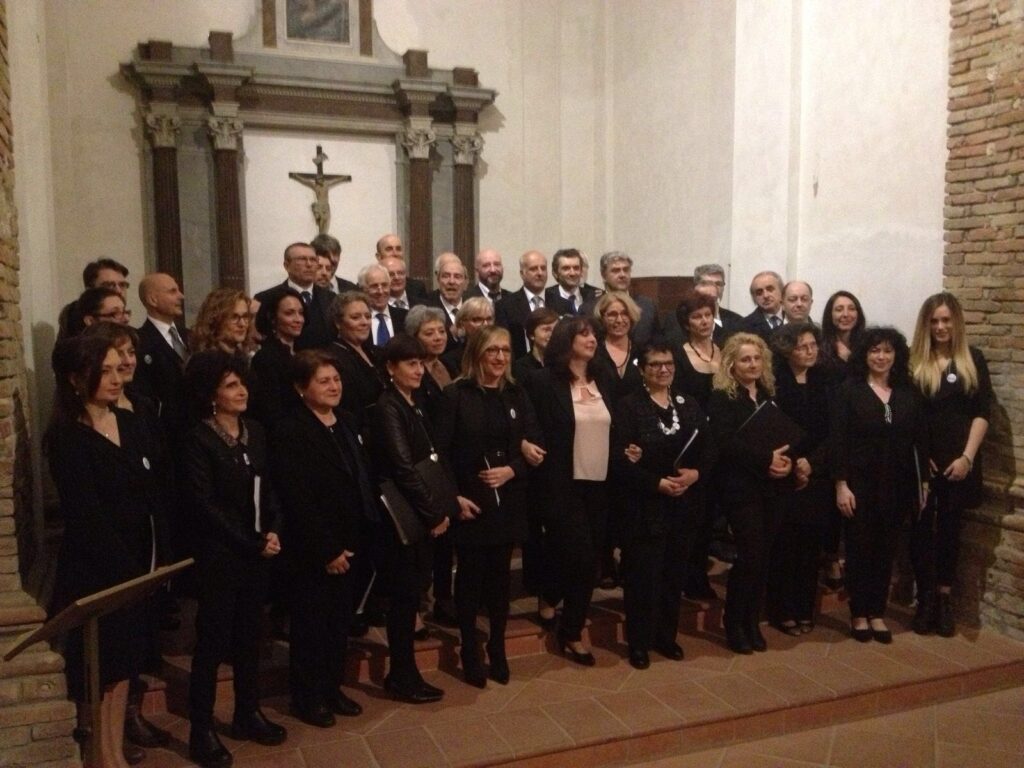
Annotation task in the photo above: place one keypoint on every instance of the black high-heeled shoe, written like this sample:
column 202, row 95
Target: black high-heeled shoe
column 584, row 659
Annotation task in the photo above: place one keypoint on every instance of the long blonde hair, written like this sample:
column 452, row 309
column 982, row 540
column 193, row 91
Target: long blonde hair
column 724, row 379
column 924, row 359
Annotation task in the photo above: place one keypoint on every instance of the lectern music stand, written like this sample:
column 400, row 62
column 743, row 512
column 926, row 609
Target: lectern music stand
column 103, row 743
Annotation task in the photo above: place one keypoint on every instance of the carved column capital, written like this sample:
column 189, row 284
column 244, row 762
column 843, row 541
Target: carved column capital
column 224, row 131
column 162, row 125
column 418, row 137
column 467, row 148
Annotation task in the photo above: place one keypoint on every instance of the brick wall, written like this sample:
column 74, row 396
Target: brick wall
column 984, row 266
column 36, row 719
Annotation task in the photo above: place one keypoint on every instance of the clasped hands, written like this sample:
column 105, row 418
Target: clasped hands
column 271, row 545
column 677, row 484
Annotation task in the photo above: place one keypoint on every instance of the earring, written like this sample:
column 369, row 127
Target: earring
column 214, row 409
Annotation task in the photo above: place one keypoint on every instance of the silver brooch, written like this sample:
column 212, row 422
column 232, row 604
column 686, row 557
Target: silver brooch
column 147, row 359
column 679, row 399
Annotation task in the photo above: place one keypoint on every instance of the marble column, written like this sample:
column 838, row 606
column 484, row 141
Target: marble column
column 225, row 130
column 162, row 126
column 468, row 144
column 418, row 138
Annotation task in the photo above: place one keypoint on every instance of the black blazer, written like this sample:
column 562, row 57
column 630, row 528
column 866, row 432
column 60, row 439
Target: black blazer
column 272, row 389
column 318, row 331
column 474, row 290
column 361, row 384
column 401, row 438
column 462, row 434
column 553, row 299
column 397, row 315
column 160, row 377
column 221, row 481
column 345, row 285
column 631, row 378
column 757, row 323
column 416, row 291
column 320, row 496
column 511, row 313
column 524, row 367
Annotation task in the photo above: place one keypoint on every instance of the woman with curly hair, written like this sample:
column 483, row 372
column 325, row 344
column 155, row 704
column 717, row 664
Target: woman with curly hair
column 876, row 428
column 224, row 322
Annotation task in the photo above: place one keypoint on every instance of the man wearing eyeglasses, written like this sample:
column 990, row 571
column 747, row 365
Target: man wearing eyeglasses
column 102, row 273
column 300, row 262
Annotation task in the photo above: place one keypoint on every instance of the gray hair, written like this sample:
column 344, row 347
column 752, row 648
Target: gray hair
column 364, row 273
column 421, row 314
column 448, row 256
column 776, row 275
column 810, row 291
column 473, row 306
column 707, row 269
column 611, row 257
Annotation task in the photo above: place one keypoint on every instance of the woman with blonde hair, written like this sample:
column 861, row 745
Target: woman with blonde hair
column 224, row 322
column 749, row 481
column 954, row 379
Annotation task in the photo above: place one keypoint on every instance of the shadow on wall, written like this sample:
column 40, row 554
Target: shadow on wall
column 27, row 532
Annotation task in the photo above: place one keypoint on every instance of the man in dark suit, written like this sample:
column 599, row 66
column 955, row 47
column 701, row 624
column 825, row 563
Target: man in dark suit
column 385, row 320
column 512, row 311
column 450, row 276
column 797, row 299
column 102, row 273
column 163, row 349
column 489, row 272
column 708, row 279
column 328, row 246
column 567, row 296
column 391, row 245
column 300, row 264
column 398, row 294
column 617, row 273
column 766, row 291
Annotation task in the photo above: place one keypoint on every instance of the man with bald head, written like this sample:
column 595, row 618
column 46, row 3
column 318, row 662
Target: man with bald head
column 163, row 348
column 513, row 310
column 797, row 298
column 489, row 273
column 391, row 246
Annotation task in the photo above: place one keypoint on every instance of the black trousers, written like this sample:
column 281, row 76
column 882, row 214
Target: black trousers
column 321, row 611
column 755, row 525
column 935, row 539
column 534, row 568
column 483, row 581
column 872, row 537
column 227, row 627
column 400, row 579
column 444, row 559
column 576, row 530
column 793, row 575
column 654, row 568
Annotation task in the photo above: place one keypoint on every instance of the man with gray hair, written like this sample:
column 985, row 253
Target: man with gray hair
column 617, row 274
column 766, row 291
column 710, row 279
column 385, row 320
column 512, row 311
column 797, row 298
column 450, row 277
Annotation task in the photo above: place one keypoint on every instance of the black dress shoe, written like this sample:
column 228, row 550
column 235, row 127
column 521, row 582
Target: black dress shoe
column 883, row 636
column 639, row 658
column 757, row 641
column 205, row 749
column 416, row 693
column 444, row 616
column 548, row 624
column 431, row 689
column 737, row 640
column 341, row 704
column 584, row 659
column 474, row 674
column 673, row 650
column 317, row 715
column 133, row 754
column 499, row 671
column 254, row 726
column 140, row 732
column 945, row 624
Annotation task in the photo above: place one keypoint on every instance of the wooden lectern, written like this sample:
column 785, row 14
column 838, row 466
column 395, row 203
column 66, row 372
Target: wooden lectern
column 105, row 727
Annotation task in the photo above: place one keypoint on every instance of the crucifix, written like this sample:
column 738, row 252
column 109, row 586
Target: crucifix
column 321, row 184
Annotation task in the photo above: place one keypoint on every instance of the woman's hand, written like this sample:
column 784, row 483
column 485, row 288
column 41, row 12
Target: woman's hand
column 671, row 486
column 495, row 477
column 634, row 453
column 802, row 471
column 340, row 564
column 467, row 509
column 440, row 528
column 845, row 499
column 533, row 453
column 687, row 477
column 271, row 545
column 781, row 464
column 958, row 469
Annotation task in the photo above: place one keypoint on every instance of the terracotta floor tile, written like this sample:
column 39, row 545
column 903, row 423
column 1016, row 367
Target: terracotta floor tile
column 586, row 721
column 609, row 673
column 885, row 670
column 914, row 723
column 693, row 704
column 960, row 756
column 993, row 642
column 834, row 675
column 639, row 710
column 663, row 672
column 982, row 728
column 538, row 692
column 469, row 743
column 734, row 759
column 961, row 650
column 790, row 685
column 921, row 658
column 529, row 732
column 1008, row 702
column 711, row 758
column 400, row 749
column 741, row 692
column 853, row 748
column 351, row 752
column 290, row 759
column 167, row 758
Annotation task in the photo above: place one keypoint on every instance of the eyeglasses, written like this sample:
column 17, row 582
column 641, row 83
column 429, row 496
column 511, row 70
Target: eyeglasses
column 115, row 285
column 616, row 315
column 114, row 314
column 498, row 351
column 239, row 318
column 661, row 365
column 809, row 347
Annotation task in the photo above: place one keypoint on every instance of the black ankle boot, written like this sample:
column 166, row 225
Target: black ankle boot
column 944, row 623
column 736, row 638
column 925, row 614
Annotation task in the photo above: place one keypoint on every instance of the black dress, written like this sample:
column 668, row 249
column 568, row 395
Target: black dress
column 114, row 506
column 657, row 530
column 272, row 389
column 689, row 380
column 362, row 382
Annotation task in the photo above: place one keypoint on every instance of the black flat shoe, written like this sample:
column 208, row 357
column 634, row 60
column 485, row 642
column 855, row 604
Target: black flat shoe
column 317, row 715
column 474, row 674
column 883, row 636
column 757, row 641
column 584, row 659
column 205, row 749
column 413, row 694
column 254, row 726
column 443, row 616
column 787, row 628
column 342, row 705
column 133, row 754
column 673, row 651
column 433, row 690
column 499, row 671
column 861, row 635
column 142, row 733
column 548, row 624
column 639, row 659
column 737, row 641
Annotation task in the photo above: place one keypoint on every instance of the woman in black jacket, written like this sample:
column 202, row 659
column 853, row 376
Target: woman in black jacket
column 356, row 356
column 749, row 479
column 484, row 422
column 279, row 321
column 225, row 467
column 573, row 398
column 402, row 438
column 325, row 488
column 662, row 502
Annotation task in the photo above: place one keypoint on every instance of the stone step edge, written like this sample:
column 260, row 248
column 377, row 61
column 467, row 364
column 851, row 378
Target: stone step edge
column 660, row 743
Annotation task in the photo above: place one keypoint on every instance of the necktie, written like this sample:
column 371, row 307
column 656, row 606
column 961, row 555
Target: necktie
column 538, row 302
column 383, row 335
column 307, row 296
column 774, row 321
column 177, row 344
column 400, row 304
column 572, row 303
column 494, row 295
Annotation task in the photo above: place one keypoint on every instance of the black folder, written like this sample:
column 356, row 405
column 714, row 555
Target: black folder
column 768, row 428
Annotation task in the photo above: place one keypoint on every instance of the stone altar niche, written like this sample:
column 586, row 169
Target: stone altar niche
column 416, row 129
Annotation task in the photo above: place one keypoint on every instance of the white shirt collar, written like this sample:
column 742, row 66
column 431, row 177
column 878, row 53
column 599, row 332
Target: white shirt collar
column 577, row 294
column 164, row 328
column 299, row 288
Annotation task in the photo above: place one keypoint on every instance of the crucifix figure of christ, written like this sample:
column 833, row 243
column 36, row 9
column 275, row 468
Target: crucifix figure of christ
column 321, row 184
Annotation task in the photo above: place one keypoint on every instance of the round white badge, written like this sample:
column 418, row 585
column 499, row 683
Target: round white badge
column 679, row 399
column 951, row 378
column 512, row 412
column 145, row 462
column 147, row 359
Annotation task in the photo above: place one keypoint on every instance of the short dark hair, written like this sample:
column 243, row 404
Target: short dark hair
column 267, row 312
column 690, row 303
column 785, row 338
column 565, row 253
column 403, row 347
column 659, row 346
column 296, row 244
column 306, row 363
column 114, row 333
column 539, row 316
column 872, row 337
column 326, row 245
column 204, row 373
column 88, row 305
column 92, row 270
column 559, row 350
